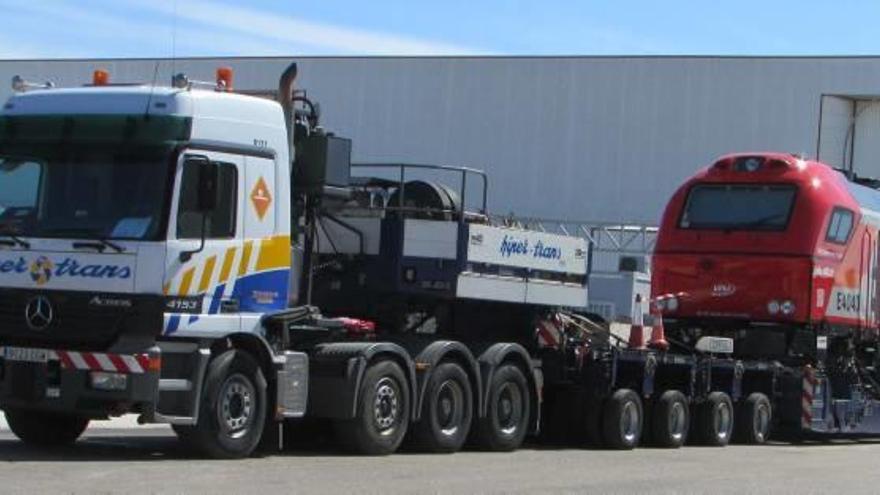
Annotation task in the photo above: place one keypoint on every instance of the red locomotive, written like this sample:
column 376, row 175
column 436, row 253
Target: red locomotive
column 777, row 252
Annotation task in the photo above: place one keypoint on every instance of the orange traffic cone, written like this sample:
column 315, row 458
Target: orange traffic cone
column 658, row 334
column 637, row 328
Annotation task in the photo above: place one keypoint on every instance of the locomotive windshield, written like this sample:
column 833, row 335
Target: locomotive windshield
column 738, row 207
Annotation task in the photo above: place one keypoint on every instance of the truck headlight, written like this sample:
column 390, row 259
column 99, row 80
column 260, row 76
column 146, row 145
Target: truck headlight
column 773, row 307
column 787, row 308
column 672, row 303
column 102, row 380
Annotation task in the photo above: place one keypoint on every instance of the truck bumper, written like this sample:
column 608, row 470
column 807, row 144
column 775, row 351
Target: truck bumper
column 87, row 383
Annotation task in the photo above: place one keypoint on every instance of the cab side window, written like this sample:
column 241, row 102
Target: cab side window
column 840, row 226
column 219, row 222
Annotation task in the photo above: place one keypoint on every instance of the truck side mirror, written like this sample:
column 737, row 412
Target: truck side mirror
column 206, row 200
column 207, row 186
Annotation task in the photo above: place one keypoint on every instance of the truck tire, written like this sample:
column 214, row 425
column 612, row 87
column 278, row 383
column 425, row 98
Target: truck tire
column 507, row 412
column 715, row 418
column 670, row 420
column 45, row 429
column 447, row 410
column 383, row 411
column 622, row 420
column 753, row 419
column 233, row 408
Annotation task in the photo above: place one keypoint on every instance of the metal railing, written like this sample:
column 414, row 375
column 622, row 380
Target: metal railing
column 620, row 238
column 405, row 172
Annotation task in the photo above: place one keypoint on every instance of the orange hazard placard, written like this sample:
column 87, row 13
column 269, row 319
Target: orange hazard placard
column 261, row 198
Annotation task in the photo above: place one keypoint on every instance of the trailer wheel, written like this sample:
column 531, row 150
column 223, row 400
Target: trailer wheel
column 753, row 419
column 507, row 413
column 622, row 420
column 670, row 420
column 447, row 411
column 383, row 411
column 715, row 420
column 45, row 429
column 233, row 410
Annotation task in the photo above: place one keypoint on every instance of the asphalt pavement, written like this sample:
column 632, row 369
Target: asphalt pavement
column 118, row 457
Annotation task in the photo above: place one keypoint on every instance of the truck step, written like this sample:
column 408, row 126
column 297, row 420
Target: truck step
column 175, row 385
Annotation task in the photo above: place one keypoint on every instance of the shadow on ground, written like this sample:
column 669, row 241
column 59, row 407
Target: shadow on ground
column 115, row 446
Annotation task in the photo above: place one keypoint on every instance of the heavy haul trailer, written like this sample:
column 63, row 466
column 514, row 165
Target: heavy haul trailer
column 164, row 251
column 780, row 254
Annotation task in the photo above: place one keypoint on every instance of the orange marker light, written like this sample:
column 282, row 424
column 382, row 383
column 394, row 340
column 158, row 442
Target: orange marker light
column 100, row 77
column 155, row 363
column 224, row 78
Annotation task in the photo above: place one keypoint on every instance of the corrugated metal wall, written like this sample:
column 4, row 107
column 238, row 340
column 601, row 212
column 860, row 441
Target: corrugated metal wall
column 578, row 138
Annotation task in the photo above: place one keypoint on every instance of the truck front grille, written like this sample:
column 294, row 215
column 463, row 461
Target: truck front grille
column 76, row 323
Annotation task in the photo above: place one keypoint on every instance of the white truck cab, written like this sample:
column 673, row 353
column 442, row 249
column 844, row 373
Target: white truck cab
column 138, row 223
column 100, row 187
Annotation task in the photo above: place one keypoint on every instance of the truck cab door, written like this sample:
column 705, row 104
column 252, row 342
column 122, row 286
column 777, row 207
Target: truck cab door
column 206, row 255
column 265, row 287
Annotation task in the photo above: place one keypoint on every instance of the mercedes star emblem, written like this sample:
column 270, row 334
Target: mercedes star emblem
column 38, row 313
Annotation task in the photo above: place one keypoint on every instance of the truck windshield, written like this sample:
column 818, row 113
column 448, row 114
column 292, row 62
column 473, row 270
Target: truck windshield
column 84, row 193
column 738, row 207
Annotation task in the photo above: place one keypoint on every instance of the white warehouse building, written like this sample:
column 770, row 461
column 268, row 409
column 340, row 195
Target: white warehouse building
column 578, row 138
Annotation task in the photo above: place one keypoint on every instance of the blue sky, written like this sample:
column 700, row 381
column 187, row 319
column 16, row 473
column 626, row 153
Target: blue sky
column 162, row 28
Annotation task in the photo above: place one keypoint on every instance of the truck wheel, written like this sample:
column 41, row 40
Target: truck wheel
column 233, row 410
column 507, row 413
column 447, row 410
column 715, row 420
column 622, row 420
column 45, row 429
column 383, row 411
column 753, row 417
column 670, row 421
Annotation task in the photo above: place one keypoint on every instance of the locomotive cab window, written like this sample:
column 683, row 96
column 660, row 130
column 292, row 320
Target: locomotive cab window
column 738, row 207
column 840, row 226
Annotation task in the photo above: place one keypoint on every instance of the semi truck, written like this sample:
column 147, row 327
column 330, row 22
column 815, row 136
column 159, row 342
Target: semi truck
column 216, row 262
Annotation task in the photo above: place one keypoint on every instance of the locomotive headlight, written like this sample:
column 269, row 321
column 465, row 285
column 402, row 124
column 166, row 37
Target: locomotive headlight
column 666, row 303
column 787, row 308
column 773, row 307
column 748, row 164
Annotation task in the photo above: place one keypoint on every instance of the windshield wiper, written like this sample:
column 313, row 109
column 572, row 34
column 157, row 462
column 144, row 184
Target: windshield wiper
column 96, row 240
column 99, row 244
column 759, row 222
column 15, row 240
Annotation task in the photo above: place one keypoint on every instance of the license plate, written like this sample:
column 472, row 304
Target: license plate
column 26, row 354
